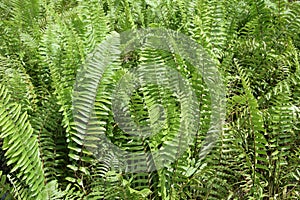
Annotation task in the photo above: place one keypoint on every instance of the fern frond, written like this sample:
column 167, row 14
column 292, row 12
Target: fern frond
column 21, row 145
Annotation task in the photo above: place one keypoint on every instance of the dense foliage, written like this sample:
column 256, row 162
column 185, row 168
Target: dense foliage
column 254, row 43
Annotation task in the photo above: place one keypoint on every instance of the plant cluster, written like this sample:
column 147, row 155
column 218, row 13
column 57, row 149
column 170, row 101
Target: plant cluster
column 254, row 43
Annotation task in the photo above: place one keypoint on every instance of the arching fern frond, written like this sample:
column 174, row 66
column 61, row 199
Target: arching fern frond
column 21, row 146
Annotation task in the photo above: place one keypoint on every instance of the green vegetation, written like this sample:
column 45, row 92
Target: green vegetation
column 254, row 43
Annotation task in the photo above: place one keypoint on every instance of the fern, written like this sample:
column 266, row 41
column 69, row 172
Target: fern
column 21, row 146
column 68, row 133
